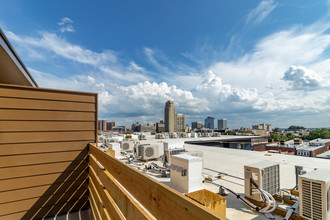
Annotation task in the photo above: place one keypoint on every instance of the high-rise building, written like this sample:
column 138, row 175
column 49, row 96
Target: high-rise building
column 267, row 127
column 173, row 121
column 222, row 124
column 102, row 125
column 196, row 125
column 209, row 122
column 180, row 123
column 110, row 125
column 169, row 116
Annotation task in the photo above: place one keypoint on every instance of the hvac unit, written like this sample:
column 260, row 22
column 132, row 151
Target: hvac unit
column 195, row 154
column 266, row 175
column 127, row 146
column 186, row 173
column 142, row 137
column 314, row 195
column 184, row 135
column 173, row 135
column 149, row 152
column 139, row 149
column 216, row 134
column 169, row 152
column 160, row 136
column 115, row 147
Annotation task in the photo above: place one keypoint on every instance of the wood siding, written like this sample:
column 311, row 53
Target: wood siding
column 44, row 136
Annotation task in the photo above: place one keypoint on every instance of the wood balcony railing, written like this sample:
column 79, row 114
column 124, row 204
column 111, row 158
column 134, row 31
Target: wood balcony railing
column 118, row 191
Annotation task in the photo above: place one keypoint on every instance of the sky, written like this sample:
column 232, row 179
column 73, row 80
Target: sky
column 248, row 61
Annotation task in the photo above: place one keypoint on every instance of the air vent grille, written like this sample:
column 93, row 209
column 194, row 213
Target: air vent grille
column 312, row 200
column 270, row 179
column 125, row 146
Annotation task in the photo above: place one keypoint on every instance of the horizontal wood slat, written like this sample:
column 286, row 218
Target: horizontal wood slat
column 26, row 171
column 30, row 159
column 130, row 208
column 27, row 204
column 108, row 202
column 41, row 115
column 98, row 206
column 12, row 103
column 27, row 193
column 31, row 148
column 33, row 137
column 21, row 214
column 161, row 201
column 48, row 95
column 11, row 126
column 46, row 179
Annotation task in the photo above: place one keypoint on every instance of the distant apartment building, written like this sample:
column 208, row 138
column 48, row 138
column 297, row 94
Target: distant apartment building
column 160, row 127
column 196, row 125
column 209, row 122
column 174, row 122
column 222, row 124
column 102, row 125
column 267, row 127
column 110, row 125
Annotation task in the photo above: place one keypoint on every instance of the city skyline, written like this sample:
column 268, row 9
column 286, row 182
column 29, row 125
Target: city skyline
column 248, row 61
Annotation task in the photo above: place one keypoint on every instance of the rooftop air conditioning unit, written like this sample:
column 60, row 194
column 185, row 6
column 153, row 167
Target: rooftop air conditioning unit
column 314, row 195
column 173, row 135
column 142, row 137
column 184, row 135
column 266, row 175
column 149, row 152
column 186, row 173
column 168, row 153
column 139, row 149
column 195, row 154
column 216, row 134
column 127, row 146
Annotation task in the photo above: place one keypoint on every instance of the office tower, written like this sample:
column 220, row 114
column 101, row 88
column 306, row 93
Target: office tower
column 110, row 125
column 180, row 123
column 169, row 116
column 174, row 122
column 102, row 125
column 222, row 124
column 209, row 122
column 196, row 125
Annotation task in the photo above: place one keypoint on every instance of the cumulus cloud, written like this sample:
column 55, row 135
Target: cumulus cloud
column 66, row 25
column 258, row 14
column 300, row 78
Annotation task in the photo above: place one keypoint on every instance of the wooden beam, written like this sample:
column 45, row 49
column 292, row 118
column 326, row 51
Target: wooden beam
column 125, row 202
column 161, row 201
column 106, row 199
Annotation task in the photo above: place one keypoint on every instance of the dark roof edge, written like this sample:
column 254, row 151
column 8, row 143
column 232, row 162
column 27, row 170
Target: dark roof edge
column 34, row 83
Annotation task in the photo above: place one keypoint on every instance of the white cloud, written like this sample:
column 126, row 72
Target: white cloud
column 66, row 25
column 300, row 78
column 258, row 14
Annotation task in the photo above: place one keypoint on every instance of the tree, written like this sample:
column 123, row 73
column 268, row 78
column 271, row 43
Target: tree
column 276, row 130
column 318, row 133
column 294, row 127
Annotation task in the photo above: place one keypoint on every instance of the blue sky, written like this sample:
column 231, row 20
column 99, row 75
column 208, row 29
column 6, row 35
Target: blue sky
column 247, row 61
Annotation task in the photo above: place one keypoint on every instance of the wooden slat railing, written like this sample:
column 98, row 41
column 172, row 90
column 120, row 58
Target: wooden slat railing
column 118, row 191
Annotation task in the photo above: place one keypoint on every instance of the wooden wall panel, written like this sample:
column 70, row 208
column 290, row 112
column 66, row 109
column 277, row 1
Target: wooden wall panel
column 39, row 115
column 34, row 137
column 8, row 126
column 44, row 136
column 48, row 147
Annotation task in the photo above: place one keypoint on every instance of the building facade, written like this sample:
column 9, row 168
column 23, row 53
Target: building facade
column 267, row 127
column 110, row 125
column 102, row 125
column 222, row 124
column 174, row 122
column 209, row 122
column 196, row 125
